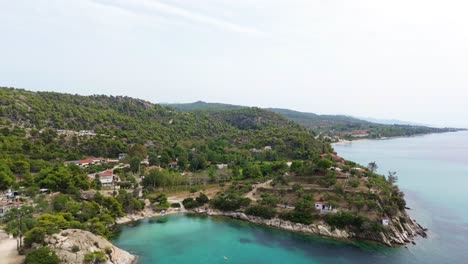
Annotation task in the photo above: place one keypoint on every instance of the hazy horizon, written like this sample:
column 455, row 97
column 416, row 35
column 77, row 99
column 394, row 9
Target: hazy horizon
column 387, row 60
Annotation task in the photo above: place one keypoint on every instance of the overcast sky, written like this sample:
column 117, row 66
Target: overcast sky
column 404, row 59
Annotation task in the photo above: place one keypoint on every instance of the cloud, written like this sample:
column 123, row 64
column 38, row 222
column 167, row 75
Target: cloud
column 158, row 8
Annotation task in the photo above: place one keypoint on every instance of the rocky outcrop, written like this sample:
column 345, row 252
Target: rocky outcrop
column 72, row 245
column 315, row 229
column 402, row 229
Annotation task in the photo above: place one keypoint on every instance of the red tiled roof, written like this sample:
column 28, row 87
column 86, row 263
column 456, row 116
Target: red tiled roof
column 106, row 173
column 86, row 161
column 153, row 168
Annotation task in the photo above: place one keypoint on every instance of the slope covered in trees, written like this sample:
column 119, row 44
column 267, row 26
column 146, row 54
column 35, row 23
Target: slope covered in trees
column 328, row 124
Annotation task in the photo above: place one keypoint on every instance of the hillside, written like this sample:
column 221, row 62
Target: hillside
column 328, row 125
column 118, row 121
column 87, row 162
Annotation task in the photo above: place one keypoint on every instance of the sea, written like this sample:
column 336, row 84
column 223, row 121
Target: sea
column 432, row 170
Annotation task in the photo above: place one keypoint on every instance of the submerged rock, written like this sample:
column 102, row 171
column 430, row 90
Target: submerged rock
column 72, row 245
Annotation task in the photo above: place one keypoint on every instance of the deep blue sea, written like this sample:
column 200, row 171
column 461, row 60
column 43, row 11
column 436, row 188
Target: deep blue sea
column 432, row 170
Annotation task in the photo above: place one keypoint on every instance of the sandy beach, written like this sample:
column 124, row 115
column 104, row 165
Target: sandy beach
column 8, row 253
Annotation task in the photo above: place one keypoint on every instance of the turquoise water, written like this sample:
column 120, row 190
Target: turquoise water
column 432, row 170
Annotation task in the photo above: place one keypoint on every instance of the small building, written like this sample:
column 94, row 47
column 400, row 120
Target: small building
column 150, row 168
column 221, row 166
column 323, row 207
column 360, row 170
column 122, row 156
column 107, row 178
column 268, row 148
column 254, row 150
column 385, row 221
column 7, row 206
column 172, row 165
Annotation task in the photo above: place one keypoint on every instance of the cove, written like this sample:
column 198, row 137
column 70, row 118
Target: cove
column 432, row 170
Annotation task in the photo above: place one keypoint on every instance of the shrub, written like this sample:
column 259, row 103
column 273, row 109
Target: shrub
column 175, row 205
column 298, row 217
column 202, row 199
column 35, row 235
column 190, row 203
column 230, row 202
column 344, row 219
column 108, row 250
column 42, row 255
column 354, row 183
column 261, row 211
column 95, row 257
column 75, row 248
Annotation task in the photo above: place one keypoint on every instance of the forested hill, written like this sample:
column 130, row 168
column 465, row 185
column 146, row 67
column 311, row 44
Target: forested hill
column 119, row 121
column 341, row 125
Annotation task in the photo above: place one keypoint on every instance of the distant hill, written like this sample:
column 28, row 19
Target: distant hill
column 391, row 121
column 342, row 125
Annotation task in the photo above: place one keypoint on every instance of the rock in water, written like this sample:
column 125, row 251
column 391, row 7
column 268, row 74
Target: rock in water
column 72, row 245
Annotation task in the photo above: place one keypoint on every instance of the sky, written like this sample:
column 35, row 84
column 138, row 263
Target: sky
column 399, row 59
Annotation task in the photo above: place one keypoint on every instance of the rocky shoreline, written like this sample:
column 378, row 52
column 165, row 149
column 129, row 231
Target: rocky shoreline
column 398, row 233
column 72, row 246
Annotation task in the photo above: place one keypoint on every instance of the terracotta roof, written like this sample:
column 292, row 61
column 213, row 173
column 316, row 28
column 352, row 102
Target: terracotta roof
column 106, row 173
column 153, row 168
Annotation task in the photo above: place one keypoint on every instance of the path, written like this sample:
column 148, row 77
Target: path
column 252, row 193
column 8, row 253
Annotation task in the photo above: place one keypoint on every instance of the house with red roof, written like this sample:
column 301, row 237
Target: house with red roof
column 150, row 168
column 107, row 178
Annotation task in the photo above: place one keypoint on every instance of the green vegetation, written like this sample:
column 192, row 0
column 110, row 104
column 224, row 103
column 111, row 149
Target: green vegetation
column 95, row 257
column 327, row 124
column 167, row 152
column 42, row 255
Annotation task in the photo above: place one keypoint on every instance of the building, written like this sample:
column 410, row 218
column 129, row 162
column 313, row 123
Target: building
column 7, row 206
column 333, row 156
column 323, row 207
column 107, row 178
column 385, row 221
column 150, row 168
column 268, row 148
column 172, row 165
column 360, row 170
column 122, row 156
column 86, row 162
column 221, row 166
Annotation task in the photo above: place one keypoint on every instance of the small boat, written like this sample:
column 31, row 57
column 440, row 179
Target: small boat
column 226, row 258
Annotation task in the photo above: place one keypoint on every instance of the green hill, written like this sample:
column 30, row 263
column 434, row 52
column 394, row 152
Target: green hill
column 340, row 125
column 119, row 121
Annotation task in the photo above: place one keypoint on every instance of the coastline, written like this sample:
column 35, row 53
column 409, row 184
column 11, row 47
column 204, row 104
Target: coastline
column 398, row 234
column 346, row 141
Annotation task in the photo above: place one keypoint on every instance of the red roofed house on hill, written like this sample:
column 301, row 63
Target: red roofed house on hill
column 107, row 178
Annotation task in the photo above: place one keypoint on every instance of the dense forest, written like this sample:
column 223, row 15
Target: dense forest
column 338, row 125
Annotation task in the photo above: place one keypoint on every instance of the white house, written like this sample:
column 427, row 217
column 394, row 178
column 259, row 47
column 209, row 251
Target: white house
column 221, row 166
column 323, row 207
column 385, row 221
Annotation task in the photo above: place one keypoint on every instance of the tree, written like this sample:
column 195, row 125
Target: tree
column 372, row 166
column 138, row 150
column 135, row 164
column 252, row 171
column 6, row 177
column 324, row 164
column 392, row 178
